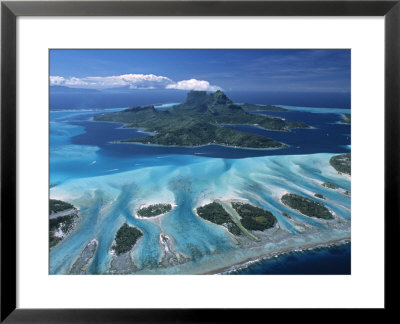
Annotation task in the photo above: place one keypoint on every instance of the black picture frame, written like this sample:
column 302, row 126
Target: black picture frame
column 10, row 10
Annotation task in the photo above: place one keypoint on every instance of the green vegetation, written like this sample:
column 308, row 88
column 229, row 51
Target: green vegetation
column 286, row 215
column 126, row 238
column 60, row 226
column 64, row 224
column 347, row 193
column 56, row 206
column 201, row 133
column 296, row 124
column 216, row 214
column 251, row 107
column 199, row 121
column 154, row 210
column 319, row 196
column 254, row 218
column 341, row 163
column 330, row 185
column 347, row 119
column 53, row 240
column 306, row 206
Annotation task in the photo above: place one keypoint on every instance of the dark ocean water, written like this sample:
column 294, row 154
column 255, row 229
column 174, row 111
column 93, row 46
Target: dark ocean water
column 103, row 99
column 321, row 261
column 326, row 136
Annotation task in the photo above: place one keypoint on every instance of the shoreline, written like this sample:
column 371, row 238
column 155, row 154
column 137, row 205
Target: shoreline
column 203, row 145
column 274, row 254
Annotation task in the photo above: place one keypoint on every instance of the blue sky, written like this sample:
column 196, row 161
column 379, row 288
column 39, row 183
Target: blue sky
column 229, row 70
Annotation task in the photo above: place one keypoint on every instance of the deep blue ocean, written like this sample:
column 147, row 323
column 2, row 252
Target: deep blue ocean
column 334, row 260
column 73, row 99
column 82, row 148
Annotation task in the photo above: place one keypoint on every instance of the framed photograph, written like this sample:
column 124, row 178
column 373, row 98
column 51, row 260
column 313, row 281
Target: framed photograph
column 177, row 155
column 194, row 179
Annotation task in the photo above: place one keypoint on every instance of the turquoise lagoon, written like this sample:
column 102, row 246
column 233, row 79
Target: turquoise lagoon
column 108, row 182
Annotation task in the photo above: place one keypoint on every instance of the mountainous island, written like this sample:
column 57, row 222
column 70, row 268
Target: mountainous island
column 199, row 120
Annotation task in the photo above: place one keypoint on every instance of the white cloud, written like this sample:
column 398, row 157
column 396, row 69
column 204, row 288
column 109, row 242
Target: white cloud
column 193, row 84
column 75, row 82
column 56, row 80
column 133, row 81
